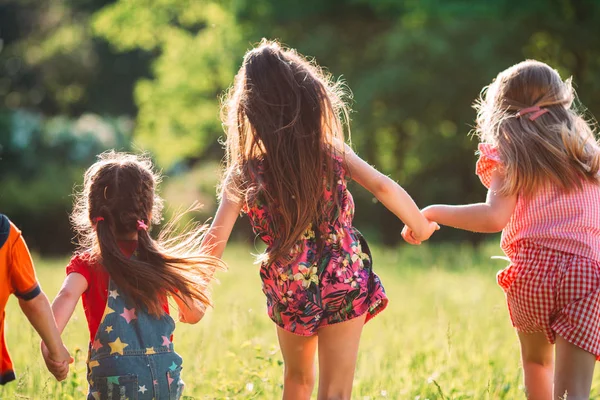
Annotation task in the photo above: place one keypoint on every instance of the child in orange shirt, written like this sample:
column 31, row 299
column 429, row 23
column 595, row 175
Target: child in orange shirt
column 17, row 276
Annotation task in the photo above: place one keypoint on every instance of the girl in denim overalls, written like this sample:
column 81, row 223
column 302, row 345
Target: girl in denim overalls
column 125, row 278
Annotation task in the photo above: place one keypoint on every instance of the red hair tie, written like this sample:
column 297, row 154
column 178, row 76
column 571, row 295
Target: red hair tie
column 97, row 219
column 141, row 225
column 536, row 110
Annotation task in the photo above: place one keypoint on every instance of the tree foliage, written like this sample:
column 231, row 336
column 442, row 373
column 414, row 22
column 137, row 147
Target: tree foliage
column 178, row 107
column 51, row 61
column 42, row 161
column 415, row 67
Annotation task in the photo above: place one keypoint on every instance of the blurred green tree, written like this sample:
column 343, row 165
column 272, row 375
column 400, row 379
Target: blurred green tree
column 42, row 160
column 195, row 41
column 415, row 68
column 51, row 61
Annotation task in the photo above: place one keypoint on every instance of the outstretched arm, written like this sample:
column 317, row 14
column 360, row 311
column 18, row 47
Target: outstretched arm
column 40, row 316
column 217, row 236
column 63, row 307
column 66, row 299
column 191, row 311
column 35, row 305
column 489, row 217
column 391, row 195
column 64, row 304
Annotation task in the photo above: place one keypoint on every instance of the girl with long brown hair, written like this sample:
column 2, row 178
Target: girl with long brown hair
column 287, row 168
column 539, row 159
column 125, row 277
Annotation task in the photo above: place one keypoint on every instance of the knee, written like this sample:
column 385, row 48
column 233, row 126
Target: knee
column 537, row 360
column 300, row 377
column 543, row 359
column 333, row 392
column 335, row 396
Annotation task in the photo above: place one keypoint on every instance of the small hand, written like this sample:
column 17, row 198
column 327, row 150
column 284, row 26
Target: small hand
column 410, row 237
column 57, row 364
column 431, row 228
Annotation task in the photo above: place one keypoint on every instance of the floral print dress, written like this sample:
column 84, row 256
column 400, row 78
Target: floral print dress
column 319, row 288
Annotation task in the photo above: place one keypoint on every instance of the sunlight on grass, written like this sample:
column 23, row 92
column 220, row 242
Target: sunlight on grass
column 445, row 335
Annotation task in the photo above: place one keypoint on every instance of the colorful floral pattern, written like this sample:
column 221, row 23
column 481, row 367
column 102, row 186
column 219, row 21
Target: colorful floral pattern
column 318, row 290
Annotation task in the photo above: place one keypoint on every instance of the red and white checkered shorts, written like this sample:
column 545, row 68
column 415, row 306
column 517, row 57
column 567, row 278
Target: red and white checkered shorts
column 554, row 292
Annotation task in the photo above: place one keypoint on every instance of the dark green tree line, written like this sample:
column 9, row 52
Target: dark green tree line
column 414, row 67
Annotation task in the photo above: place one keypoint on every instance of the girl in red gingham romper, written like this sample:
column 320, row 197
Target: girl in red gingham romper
column 540, row 160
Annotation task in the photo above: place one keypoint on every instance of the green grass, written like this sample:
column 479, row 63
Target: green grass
column 445, row 335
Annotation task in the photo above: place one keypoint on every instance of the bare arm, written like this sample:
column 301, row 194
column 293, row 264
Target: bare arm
column 39, row 314
column 66, row 299
column 35, row 306
column 191, row 311
column 489, row 217
column 391, row 195
column 63, row 307
column 217, row 236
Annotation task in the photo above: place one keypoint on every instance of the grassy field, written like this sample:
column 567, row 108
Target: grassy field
column 445, row 335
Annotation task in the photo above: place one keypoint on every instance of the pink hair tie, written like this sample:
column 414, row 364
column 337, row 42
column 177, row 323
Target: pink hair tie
column 141, row 225
column 97, row 219
column 536, row 110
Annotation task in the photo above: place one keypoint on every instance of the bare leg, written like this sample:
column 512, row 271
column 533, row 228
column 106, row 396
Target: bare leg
column 338, row 350
column 537, row 358
column 299, row 364
column 574, row 371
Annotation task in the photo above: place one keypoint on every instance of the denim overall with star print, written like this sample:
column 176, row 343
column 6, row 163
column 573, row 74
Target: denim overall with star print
column 132, row 356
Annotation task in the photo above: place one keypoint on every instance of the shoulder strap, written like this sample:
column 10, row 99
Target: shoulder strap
column 4, row 229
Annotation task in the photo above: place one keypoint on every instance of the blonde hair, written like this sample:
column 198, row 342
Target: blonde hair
column 555, row 147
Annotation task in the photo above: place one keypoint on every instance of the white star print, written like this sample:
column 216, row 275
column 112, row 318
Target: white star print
column 113, row 294
column 143, row 389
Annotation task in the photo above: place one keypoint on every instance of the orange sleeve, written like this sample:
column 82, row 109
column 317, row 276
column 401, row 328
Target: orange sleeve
column 22, row 274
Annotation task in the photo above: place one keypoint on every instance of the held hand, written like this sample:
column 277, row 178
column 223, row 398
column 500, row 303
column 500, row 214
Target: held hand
column 57, row 364
column 411, row 237
column 408, row 236
column 431, row 228
column 430, row 213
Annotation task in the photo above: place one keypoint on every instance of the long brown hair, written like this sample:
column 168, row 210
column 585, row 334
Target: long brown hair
column 558, row 147
column 288, row 113
column 118, row 191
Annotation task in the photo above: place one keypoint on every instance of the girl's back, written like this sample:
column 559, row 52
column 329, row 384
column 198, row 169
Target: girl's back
column 337, row 209
column 328, row 270
column 124, row 276
column 564, row 220
column 285, row 159
column 287, row 168
column 540, row 160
